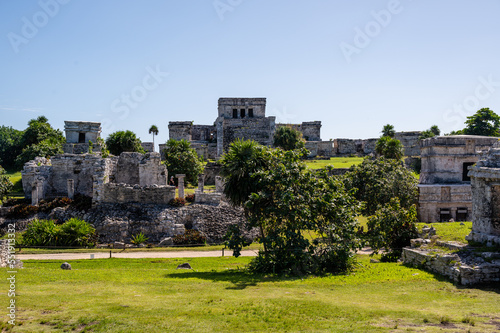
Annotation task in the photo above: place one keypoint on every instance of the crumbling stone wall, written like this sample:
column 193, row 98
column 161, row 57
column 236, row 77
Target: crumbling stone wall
column 346, row 147
column 180, row 130
column 203, row 133
column 485, row 179
column 149, row 194
column 82, row 131
column 260, row 130
column 410, row 142
column 148, row 147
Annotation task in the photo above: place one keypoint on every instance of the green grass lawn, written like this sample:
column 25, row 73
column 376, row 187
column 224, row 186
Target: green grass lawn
column 450, row 231
column 337, row 162
column 15, row 178
column 150, row 295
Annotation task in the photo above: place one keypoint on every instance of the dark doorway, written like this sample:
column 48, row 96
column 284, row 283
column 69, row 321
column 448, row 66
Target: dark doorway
column 242, row 113
column 465, row 171
column 444, row 215
column 235, row 113
column 462, row 214
column 81, row 137
column 250, row 113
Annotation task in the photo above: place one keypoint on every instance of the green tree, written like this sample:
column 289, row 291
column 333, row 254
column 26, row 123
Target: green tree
column 431, row 132
column 10, row 146
column 39, row 139
column 285, row 200
column 388, row 130
column 379, row 180
column 389, row 148
column 5, row 184
column 287, row 138
column 123, row 141
column 153, row 130
column 391, row 228
column 180, row 158
column 239, row 164
column 483, row 122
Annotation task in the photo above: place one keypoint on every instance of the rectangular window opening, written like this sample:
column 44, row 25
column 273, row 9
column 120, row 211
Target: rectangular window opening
column 462, row 214
column 250, row 113
column 242, row 113
column 465, row 171
column 444, row 215
column 81, row 137
column 235, row 113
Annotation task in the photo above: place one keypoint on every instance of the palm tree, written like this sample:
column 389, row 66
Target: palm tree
column 154, row 130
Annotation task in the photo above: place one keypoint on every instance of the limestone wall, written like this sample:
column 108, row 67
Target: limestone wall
column 208, row 198
column 179, row 130
column 410, row 142
column 203, row 133
column 124, row 193
column 227, row 105
column 435, row 199
column 148, row 147
column 259, row 129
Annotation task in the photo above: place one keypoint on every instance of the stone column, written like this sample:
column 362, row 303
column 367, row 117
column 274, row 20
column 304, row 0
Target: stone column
column 201, row 182
column 180, row 183
column 34, row 194
column 71, row 189
column 219, row 184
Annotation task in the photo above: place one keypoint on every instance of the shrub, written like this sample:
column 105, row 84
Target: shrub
column 139, row 239
column 190, row 198
column 22, row 210
column 74, row 232
column 177, row 202
column 190, row 237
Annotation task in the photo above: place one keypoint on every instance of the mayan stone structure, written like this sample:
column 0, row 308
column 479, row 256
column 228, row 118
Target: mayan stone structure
column 485, row 180
column 79, row 134
column 130, row 177
column 445, row 188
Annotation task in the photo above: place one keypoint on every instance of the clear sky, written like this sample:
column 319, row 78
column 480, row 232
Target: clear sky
column 354, row 65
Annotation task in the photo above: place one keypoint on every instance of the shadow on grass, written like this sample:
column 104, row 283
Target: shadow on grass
column 240, row 279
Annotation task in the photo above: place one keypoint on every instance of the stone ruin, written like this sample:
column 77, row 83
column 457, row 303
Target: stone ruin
column 485, row 180
column 444, row 186
column 130, row 177
column 79, row 134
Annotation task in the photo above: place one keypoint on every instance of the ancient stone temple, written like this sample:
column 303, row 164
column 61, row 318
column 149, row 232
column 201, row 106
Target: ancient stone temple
column 485, row 180
column 445, row 187
column 242, row 118
column 79, row 134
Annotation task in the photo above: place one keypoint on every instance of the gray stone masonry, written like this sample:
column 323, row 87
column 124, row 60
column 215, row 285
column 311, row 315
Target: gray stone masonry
column 82, row 131
column 485, row 179
column 180, row 183
column 148, row 147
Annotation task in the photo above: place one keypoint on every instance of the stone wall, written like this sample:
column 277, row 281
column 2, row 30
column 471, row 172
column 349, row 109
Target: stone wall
column 346, row 147
column 211, row 171
column 78, row 130
column 410, row 142
column 179, row 130
column 211, row 198
column 311, row 130
column 226, row 106
column 203, row 133
column 260, row 130
column 149, row 194
column 440, row 203
column 485, row 179
column 148, row 147
column 320, row 148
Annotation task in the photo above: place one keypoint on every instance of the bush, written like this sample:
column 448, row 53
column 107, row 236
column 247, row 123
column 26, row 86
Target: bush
column 21, row 211
column 177, row 202
column 190, row 237
column 74, row 232
column 25, row 209
column 139, row 239
column 190, row 198
column 180, row 158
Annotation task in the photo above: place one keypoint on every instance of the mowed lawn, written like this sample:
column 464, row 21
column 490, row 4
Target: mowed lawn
column 336, row 162
column 151, row 295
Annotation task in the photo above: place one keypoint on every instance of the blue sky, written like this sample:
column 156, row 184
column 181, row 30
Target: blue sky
column 354, row 65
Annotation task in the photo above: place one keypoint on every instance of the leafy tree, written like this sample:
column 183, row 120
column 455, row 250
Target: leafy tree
column 431, row 132
column 378, row 181
column 389, row 148
column 285, row 200
column 391, row 228
column 287, row 138
column 39, row 139
column 5, row 184
column 483, row 122
column 123, row 141
column 10, row 146
column 153, row 130
column 180, row 158
column 389, row 131
column 239, row 164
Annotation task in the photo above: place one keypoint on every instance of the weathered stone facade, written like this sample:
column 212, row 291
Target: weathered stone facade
column 485, row 180
column 444, row 189
column 130, row 177
column 79, row 134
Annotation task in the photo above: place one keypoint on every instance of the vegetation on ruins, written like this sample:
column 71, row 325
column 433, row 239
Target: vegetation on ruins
column 391, row 228
column 180, row 158
column 288, row 138
column 388, row 130
column 139, row 239
column 431, row 132
column 123, row 141
column 74, row 232
column 285, row 200
column 379, row 180
column 153, row 130
column 389, row 148
column 177, row 202
column 5, row 184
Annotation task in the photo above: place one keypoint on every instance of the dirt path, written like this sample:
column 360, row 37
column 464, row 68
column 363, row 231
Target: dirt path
column 132, row 255
column 139, row 255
